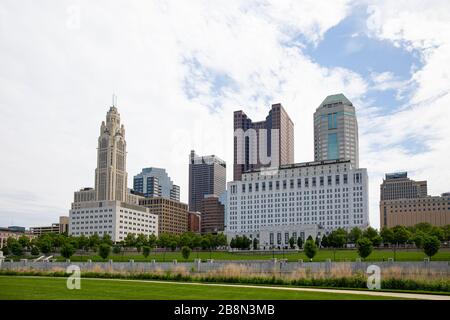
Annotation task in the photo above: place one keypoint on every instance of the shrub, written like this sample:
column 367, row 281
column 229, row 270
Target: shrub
column 116, row 249
column 364, row 247
column 67, row 250
column 146, row 251
column 310, row 249
column 185, row 252
column 34, row 251
column 431, row 246
column 104, row 250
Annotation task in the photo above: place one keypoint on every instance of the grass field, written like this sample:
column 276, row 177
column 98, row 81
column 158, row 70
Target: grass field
column 322, row 255
column 22, row 288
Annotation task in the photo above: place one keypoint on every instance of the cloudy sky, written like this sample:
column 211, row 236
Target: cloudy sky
column 180, row 69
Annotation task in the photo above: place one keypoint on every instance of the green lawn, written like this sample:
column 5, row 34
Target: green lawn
column 322, row 255
column 26, row 288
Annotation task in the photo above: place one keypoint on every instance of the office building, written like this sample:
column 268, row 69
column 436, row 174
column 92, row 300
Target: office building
column 405, row 202
column 267, row 143
column 213, row 214
column 173, row 215
column 207, row 175
column 305, row 198
column 155, row 182
column 194, row 221
column 13, row 232
column 336, row 130
column 61, row 227
column 111, row 175
column 114, row 218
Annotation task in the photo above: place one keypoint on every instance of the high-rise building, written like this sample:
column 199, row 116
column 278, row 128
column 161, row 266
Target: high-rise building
column 266, row 143
column 194, row 221
column 213, row 214
column 207, row 175
column 336, row 130
column 398, row 186
column 173, row 215
column 155, row 182
column 111, row 208
column 111, row 175
column 298, row 200
column 406, row 202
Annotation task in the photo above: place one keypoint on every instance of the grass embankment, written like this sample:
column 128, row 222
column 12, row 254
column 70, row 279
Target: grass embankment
column 21, row 288
column 322, row 255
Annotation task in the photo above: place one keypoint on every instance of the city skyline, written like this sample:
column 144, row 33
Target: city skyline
column 50, row 113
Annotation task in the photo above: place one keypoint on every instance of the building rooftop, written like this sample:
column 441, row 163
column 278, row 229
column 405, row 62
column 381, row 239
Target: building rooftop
column 396, row 175
column 335, row 98
column 303, row 165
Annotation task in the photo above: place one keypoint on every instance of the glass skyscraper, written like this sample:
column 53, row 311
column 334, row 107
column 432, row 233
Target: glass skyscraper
column 155, row 182
column 336, row 130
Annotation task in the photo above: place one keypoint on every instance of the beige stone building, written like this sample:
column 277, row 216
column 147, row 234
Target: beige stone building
column 405, row 202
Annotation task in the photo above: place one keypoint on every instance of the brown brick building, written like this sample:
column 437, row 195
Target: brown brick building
column 173, row 215
column 194, row 221
column 213, row 215
column 405, row 202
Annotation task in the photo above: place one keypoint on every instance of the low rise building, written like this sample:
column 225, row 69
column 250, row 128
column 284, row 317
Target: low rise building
column 213, row 214
column 194, row 221
column 61, row 227
column 115, row 218
column 13, row 232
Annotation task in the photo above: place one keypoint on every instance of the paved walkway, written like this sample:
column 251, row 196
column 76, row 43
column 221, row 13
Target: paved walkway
column 401, row 295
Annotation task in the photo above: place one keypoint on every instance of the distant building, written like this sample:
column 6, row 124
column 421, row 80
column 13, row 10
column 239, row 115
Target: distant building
column 213, row 215
column 336, row 130
column 173, row 215
column 405, row 202
column 114, row 218
column 194, row 221
column 155, row 182
column 207, row 175
column 110, row 208
column 249, row 135
column 327, row 194
column 13, row 232
column 61, row 227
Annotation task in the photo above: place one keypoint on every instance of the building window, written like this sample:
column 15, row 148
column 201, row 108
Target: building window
column 333, row 148
column 332, row 121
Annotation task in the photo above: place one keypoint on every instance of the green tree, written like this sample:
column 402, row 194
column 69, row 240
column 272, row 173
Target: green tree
column 438, row 233
column 83, row 242
column 186, row 252
column 152, row 241
column 107, row 239
column 300, row 242
column 418, row 238
column 130, row 240
column 310, row 249
column 16, row 248
column 116, row 249
column 94, row 241
column 354, row 235
column 141, row 240
column 104, row 250
column 146, row 251
column 431, row 246
column 387, row 235
column 292, row 242
column 325, row 243
column 34, row 251
column 6, row 250
column 24, row 241
column 401, row 234
column 364, row 246
column 45, row 246
column 67, row 250
column 221, row 240
column 309, row 237
column 255, row 244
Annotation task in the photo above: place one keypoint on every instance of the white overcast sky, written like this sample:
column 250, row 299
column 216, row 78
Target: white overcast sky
column 180, row 69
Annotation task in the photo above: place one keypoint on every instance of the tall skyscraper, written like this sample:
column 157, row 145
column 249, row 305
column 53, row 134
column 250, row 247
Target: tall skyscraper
column 111, row 175
column 207, row 175
column 251, row 138
column 155, row 182
column 336, row 130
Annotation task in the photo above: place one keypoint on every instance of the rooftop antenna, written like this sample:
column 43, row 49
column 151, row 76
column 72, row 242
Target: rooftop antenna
column 114, row 100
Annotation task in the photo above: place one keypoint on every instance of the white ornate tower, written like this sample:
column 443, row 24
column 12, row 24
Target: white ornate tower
column 111, row 174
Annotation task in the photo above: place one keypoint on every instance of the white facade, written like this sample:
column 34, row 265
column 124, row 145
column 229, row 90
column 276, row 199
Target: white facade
column 327, row 194
column 111, row 217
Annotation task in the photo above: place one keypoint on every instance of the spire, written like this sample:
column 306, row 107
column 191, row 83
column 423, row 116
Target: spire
column 114, row 100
